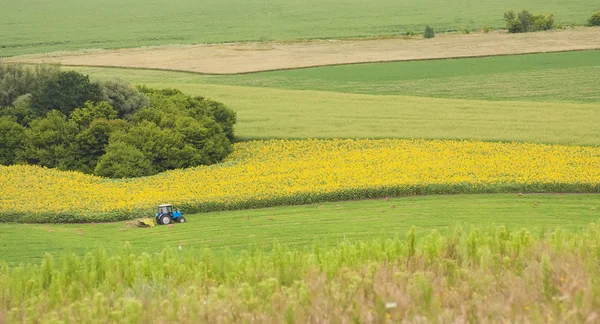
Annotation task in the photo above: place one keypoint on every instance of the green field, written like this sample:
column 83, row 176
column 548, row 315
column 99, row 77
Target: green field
column 301, row 226
column 495, row 275
column 548, row 77
column 31, row 26
column 474, row 258
column 547, row 98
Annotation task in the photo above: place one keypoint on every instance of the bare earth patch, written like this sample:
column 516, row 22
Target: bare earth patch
column 253, row 57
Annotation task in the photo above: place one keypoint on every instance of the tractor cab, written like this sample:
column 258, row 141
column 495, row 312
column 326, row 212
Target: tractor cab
column 166, row 215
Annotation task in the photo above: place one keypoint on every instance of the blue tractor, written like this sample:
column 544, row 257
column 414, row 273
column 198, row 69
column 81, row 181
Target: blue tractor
column 166, row 215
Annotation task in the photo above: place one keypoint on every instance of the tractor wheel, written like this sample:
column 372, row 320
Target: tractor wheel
column 181, row 219
column 165, row 220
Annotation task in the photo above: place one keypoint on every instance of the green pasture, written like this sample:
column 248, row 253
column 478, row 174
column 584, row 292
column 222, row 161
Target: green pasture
column 31, row 26
column 301, row 226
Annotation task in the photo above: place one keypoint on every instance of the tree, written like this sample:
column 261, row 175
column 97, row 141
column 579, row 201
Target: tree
column 429, row 32
column 68, row 91
column 17, row 80
column 156, row 143
column 20, row 110
column 84, row 116
column 90, row 144
column 12, row 137
column 49, row 141
column 124, row 97
column 525, row 22
column 123, row 161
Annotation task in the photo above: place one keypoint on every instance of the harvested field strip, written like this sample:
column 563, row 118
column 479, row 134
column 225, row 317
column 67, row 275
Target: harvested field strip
column 254, row 57
column 281, row 172
column 301, row 226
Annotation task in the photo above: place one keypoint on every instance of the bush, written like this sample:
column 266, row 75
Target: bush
column 594, row 19
column 525, row 22
column 429, row 32
column 485, row 29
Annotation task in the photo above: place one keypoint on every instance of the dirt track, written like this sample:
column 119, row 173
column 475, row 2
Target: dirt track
column 252, row 57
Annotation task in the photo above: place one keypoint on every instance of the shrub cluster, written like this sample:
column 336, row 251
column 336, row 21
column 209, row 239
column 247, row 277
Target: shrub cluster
column 62, row 119
column 594, row 19
column 525, row 22
column 429, row 32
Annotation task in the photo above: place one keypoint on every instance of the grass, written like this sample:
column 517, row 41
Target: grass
column 549, row 77
column 494, row 275
column 275, row 113
column 31, row 26
column 543, row 98
column 301, row 226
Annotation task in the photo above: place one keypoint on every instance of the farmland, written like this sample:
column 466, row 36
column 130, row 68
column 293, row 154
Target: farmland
column 32, row 27
column 494, row 98
column 281, row 172
column 492, row 275
column 453, row 179
column 298, row 227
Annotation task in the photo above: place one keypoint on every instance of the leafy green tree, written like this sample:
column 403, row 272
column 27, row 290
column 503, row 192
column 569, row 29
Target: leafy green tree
column 170, row 101
column 69, row 90
column 156, row 143
column 48, row 141
column 123, row 161
column 17, row 80
column 204, row 138
column 20, row 110
column 90, row 144
column 429, row 32
column 84, row 116
column 12, row 137
column 124, row 97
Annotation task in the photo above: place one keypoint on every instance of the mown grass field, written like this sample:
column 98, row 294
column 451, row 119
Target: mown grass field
column 31, row 26
column 301, row 226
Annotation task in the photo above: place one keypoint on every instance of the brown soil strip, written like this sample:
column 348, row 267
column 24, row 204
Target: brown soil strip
column 253, row 57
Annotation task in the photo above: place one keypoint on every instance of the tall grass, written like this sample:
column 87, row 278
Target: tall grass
column 469, row 275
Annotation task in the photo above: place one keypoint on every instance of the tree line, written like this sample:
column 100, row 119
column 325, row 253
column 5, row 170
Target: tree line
column 64, row 120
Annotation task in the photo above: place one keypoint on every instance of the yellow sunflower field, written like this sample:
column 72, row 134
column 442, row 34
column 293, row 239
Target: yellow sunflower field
column 278, row 172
